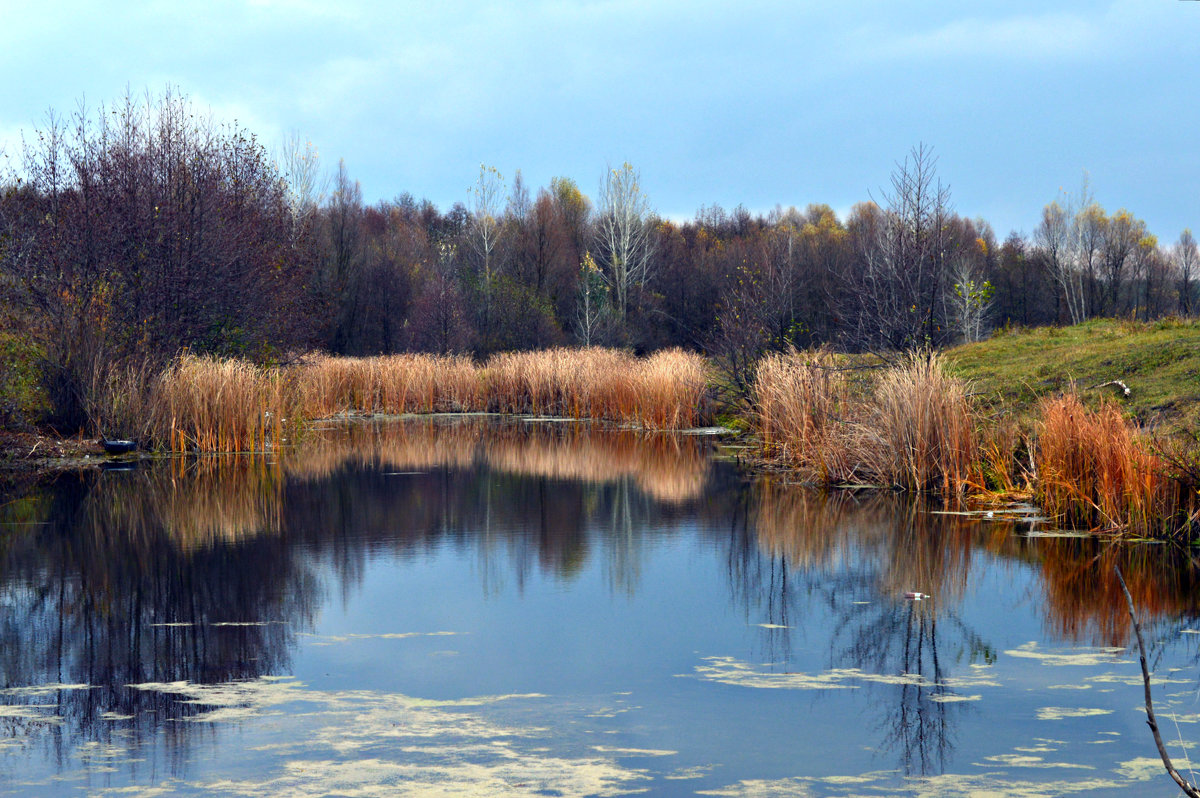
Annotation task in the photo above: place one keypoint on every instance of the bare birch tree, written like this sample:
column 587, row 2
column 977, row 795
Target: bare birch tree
column 1071, row 238
column 624, row 234
column 300, row 164
column 485, row 200
column 1185, row 257
column 1053, row 237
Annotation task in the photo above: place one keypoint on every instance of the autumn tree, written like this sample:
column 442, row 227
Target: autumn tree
column 151, row 228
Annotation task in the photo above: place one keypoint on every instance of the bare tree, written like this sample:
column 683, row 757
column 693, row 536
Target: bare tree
column 624, row 234
column 904, row 249
column 1185, row 257
column 485, row 199
column 300, row 164
column 1053, row 237
column 1071, row 237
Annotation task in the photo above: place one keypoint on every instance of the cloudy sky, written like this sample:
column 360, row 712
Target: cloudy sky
column 758, row 103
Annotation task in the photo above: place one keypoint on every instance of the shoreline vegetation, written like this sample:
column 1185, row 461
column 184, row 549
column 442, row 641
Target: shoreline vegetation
column 830, row 420
column 140, row 230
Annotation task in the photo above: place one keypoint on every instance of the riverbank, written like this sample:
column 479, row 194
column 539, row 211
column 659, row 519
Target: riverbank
column 1090, row 422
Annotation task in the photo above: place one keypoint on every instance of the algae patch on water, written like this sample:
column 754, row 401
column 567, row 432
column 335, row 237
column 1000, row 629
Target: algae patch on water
column 362, row 742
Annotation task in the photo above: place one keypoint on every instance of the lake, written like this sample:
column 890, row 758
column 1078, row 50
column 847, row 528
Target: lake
column 474, row 605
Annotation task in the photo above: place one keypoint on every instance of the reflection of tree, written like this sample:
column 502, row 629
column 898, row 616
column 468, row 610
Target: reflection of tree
column 857, row 556
column 100, row 590
column 205, row 570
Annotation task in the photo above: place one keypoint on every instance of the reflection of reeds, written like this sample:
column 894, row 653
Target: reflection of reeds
column 1084, row 599
column 1095, row 472
column 197, row 502
column 663, row 466
column 912, row 548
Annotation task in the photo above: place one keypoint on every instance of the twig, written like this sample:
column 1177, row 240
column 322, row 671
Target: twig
column 1183, row 783
column 1117, row 383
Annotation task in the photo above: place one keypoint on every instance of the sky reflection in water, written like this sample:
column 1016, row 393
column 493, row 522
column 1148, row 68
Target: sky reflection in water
column 531, row 609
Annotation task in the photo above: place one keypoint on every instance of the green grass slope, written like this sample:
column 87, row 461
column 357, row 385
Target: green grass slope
column 1159, row 361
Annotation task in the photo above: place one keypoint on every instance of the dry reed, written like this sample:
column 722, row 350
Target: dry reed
column 211, row 405
column 914, row 429
column 328, row 386
column 1095, row 471
column 921, row 429
column 801, row 402
column 664, row 391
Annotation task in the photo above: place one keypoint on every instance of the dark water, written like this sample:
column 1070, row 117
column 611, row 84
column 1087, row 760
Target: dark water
column 471, row 607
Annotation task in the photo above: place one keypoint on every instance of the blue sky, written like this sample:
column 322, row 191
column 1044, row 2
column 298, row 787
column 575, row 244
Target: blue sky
column 759, row 103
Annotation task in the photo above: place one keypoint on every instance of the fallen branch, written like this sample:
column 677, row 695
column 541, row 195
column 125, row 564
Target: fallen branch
column 1151, row 721
column 1117, row 383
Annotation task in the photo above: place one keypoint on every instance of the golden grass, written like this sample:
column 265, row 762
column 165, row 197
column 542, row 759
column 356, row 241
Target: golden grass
column 920, row 430
column 389, row 384
column 663, row 391
column 211, row 405
column 1095, row 470
column 913, row 429
column 802, row 402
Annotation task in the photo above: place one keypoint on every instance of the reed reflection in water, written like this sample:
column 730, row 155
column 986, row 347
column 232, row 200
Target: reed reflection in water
column 666, row 467
column 210, row 570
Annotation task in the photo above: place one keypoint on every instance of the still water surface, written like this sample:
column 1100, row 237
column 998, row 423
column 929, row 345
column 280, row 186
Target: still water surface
column 473, row 606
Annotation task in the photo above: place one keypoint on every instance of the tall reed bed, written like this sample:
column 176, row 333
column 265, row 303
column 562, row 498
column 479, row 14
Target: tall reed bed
column 327, row 385
column 803, row 404
column 663, row 391
column 913, row 428
column 212, row 405
column 920, row 429
column 1095, row 471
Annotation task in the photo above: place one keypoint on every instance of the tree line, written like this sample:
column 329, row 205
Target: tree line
column 141, row 229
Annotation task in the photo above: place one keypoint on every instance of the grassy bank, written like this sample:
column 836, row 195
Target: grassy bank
column 1092, row 422
column 1159, row 362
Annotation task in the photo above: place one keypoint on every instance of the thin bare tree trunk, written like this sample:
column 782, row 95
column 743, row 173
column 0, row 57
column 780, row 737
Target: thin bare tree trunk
column 1151, row 721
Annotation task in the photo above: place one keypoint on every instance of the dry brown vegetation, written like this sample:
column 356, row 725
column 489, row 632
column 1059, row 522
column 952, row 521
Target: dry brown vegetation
column 226, row 405
column 1095, row 470
column 913, row 428
column 663, row 391
column 215, row 405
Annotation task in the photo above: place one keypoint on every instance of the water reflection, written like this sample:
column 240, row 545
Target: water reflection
column 211, row 570
column 667, row 468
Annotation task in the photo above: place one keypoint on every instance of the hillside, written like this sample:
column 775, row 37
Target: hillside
column 1158, row 361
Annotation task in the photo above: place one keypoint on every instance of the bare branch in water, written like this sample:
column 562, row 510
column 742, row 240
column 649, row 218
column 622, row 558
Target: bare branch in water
column 1183, row 783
